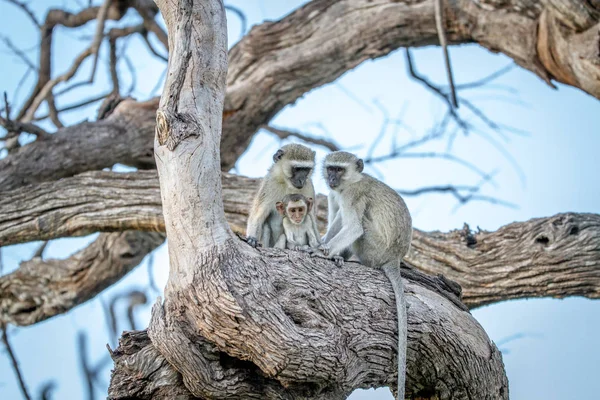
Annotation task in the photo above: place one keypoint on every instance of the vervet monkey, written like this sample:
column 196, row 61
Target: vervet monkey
column 371, row 220
column 299, row 232
column 291, row 172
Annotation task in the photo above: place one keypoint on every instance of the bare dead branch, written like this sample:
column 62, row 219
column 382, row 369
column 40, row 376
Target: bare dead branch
column 152, row 49
column 40, row 251
column 441, row 30
column 53, row 112
column 75, row 106
column 487, row 79
column 286, row 133
column 150, row 270
column 18, row 52
column 14, row 362
column 47, row 389
column 95, row 47
column 18, row 127
column 23, row 6
column 435, row 89
column 40, row 289
column 84, row 365
column 47, row 89
column 242, row 16
column 56, row 17
column 148, row 11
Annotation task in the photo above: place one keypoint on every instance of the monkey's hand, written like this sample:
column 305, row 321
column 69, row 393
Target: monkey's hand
column 324, row 248
column 252, row 241
column 306, row 248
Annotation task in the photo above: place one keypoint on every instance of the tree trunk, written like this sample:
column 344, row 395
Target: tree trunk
column 243, row 323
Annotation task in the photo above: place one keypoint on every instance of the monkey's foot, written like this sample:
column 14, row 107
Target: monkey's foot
column 252, row 241
column 339, row 260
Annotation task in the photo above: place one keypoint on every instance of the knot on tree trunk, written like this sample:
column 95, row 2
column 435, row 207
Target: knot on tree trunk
column 172, row 128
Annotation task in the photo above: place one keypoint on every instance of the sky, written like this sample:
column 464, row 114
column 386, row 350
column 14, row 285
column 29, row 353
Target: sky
column 546, row 165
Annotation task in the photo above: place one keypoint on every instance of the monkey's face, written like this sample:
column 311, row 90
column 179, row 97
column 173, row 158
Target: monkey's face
column 335, row 175
column 296, row 211
column 299, row 175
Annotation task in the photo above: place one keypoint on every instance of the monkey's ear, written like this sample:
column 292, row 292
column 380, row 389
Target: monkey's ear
column 277, row 156
column 309, row 204
column 360, row 165
column 280, row 208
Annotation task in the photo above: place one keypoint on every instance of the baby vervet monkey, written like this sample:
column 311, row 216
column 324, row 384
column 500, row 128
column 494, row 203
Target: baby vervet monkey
column 299, row 231
column 369, row 219
column 291, row 172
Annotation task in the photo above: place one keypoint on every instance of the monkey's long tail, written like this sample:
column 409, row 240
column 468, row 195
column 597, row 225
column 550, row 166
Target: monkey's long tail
column 392, row 271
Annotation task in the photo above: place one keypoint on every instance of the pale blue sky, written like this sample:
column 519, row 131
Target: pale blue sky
column 554, row 354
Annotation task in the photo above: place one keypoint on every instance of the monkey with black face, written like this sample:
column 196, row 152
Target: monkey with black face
column 299, row 232
column 291, row 172
column 371, row 220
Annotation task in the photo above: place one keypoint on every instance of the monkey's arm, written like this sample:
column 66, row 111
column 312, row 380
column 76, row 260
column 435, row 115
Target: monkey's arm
column 257, row 218
column 333, row 227
column 352, row 229
column 313, row 236
column 281, row 242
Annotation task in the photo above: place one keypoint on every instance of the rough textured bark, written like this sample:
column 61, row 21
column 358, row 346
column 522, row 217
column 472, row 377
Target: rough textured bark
column 104, row 201
column 123, row 137
column 278, row 62
column 41, row 289
column 312, row 330
column 348, row 312
column 557, row 256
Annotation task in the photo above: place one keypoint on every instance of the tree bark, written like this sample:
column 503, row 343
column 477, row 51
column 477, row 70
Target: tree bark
column 41, row 289
column 557, row 256
column 278, row 62
column 312, row 330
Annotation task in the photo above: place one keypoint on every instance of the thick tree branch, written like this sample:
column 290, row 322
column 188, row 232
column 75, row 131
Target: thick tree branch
column 294, row 61
column 40, row 289
column 121, row 137
column 570, row 259
column 445, row 342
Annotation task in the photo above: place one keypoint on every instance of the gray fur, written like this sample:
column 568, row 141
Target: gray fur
column 298, row 236
column 371, row 219
column 264, row 222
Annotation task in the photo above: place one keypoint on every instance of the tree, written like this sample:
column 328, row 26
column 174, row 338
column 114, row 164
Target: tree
column 237, row 335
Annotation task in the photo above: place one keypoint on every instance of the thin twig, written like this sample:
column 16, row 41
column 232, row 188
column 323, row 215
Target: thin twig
column 480, row 82
column 84, row 364
column 75, row 106
column 18, row 127
column 439, row 23
column 27, row 11
column 150, row 270
column 15, row 364
column 40, row 251
column 240, row 14
column 99, row 35
column 43, row 93
column 47, row 389
column 152, row 49
column 18, row 52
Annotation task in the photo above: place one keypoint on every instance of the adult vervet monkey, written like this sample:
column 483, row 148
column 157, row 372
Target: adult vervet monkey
column 291, row 172
column 371, row 220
